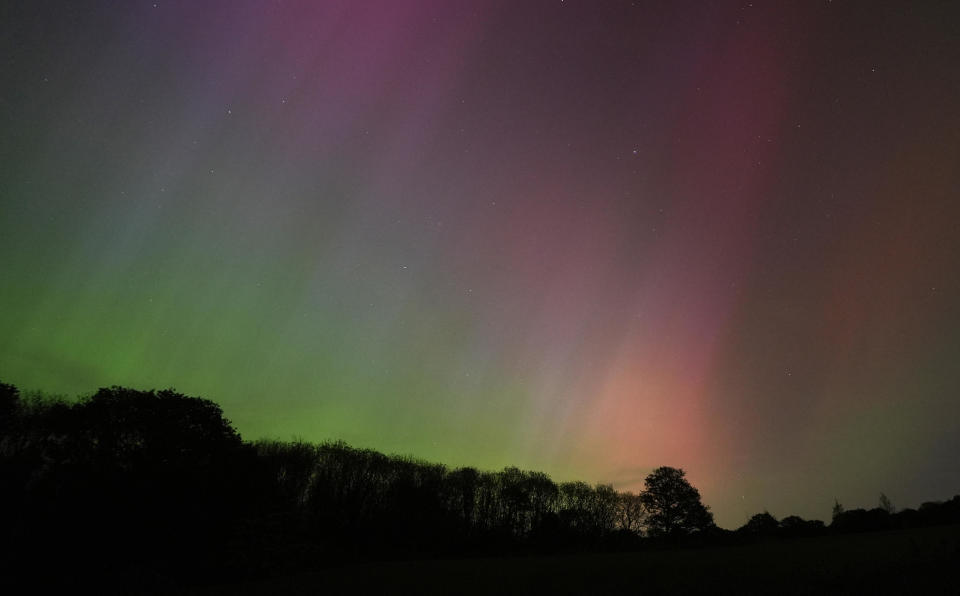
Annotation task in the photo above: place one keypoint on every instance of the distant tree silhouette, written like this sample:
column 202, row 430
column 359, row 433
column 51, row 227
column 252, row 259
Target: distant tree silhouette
column 460, row 492
column 861, row 520
column 793, row 526
column 604, row 511
column 761, row 525
column 672, row 505
column 630, row 512
column 516, row 505
column 575, row 502
column 837, row 509
column 290, row 468
column 886, row 505
column 543, row 494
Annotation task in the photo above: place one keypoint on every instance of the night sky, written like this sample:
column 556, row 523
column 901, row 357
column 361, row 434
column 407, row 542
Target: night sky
column 588, row 238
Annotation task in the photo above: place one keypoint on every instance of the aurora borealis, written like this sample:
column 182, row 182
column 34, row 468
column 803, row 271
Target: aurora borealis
column 587, row 238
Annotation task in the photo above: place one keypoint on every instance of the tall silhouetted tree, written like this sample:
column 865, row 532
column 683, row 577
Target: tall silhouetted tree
column 837, row 510
column 630, row 512
column 886, row 505
column 461, row 494
column 672, row 505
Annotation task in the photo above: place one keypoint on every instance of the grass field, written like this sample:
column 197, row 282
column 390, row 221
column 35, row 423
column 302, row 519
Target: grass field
column 917, row 561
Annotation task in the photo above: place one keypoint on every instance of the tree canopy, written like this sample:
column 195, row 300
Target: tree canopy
column 673, row 506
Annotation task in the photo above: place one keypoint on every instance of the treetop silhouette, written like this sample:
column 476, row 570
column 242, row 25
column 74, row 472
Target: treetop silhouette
column 673, row 506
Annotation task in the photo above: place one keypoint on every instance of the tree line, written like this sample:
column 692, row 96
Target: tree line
column 155, row 488
column 148, row 487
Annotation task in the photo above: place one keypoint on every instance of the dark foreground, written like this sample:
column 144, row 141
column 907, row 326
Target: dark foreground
column 915, row 561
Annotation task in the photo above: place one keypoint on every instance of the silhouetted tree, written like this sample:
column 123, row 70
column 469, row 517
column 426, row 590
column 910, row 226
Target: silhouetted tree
column 290, row 468
column 761, row 525
column 630, row 512
column 837, row 509
column 861, row 520
column 514, row 501
column 605, row 503
column 793, row 526
column 886, row 505
column 574, row 507
column 672, row 505
column 542, row 498
column 461, row 496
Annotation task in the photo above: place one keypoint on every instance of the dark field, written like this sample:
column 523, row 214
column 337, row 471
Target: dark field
column 916, row 561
